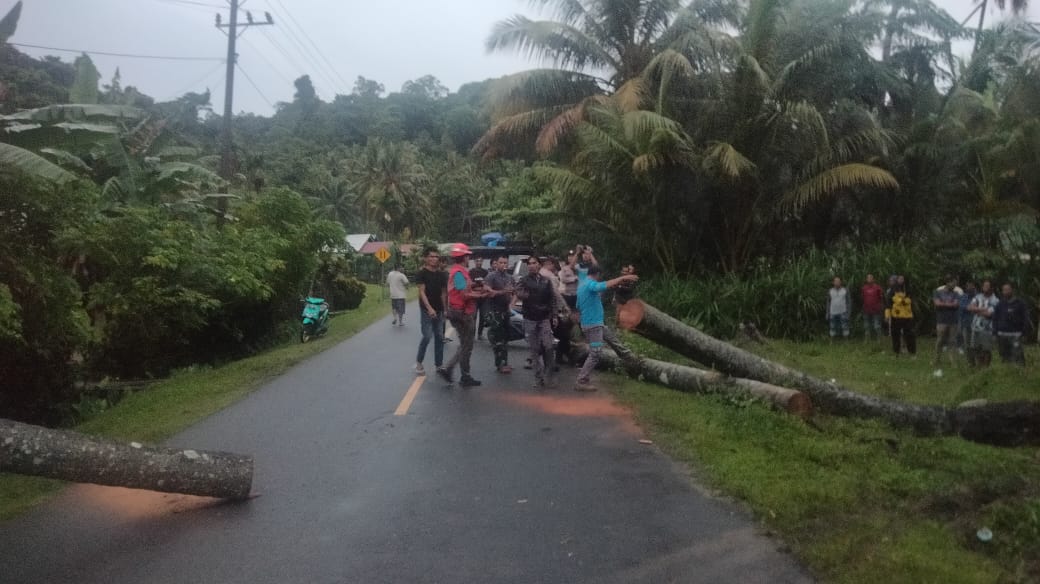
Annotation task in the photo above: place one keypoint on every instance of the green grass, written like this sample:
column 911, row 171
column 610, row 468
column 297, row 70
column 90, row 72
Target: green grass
column 189, row 395
column 856, row 500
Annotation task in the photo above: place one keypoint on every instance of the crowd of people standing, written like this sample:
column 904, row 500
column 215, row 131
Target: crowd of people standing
column 969, row 321
column 554, row 297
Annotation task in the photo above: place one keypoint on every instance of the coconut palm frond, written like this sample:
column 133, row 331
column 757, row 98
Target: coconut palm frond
column 724, row 159
column 655, row 17
column 516, row 127
column 835, row 180
column 563, row 44
column 572, row 187
column 632, row 95
column 805, row 118
column 539, row 88
column 557, row 128
column 640, row 126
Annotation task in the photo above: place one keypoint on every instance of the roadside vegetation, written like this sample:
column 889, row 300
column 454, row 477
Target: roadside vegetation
column 858, row 501
column 163, row 408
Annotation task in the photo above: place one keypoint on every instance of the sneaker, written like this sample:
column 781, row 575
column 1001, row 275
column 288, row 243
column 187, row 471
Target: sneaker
column 528, row 364
column 549, row 383
column 468, row 381
column 538, row 384
column 394, row 323
column 444, row 374
column 505, row 369
column 584, row 386
column 419, row 369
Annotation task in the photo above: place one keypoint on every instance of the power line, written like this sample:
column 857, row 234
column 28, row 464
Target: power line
column 264, row 58
column 110, row 54
column 250, row 80
column 306, row 36
column 197, row 81
column 306, row 54
column 278, row 46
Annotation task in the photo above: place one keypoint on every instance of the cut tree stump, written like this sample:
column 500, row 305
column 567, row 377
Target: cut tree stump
column 693, row 380
column 1008, row 424
column 71, row 456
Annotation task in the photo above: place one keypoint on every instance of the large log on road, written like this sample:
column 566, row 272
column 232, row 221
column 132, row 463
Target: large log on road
column 693, row 380
column 1005, row 424
column 71, row 456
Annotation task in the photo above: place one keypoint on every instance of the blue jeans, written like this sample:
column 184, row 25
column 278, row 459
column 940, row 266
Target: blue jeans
column 432, row 327
column 839, row 325
column 871, row 325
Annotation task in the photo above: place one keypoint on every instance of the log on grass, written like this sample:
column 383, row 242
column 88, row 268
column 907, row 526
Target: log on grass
column 693, row 380
column 1004, row 424
column 71, row 456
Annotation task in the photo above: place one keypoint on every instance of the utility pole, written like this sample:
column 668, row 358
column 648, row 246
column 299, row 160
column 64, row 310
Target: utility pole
column 234, row 28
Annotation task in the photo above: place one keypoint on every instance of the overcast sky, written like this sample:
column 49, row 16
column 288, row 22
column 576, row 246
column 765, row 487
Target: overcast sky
column 391, row 41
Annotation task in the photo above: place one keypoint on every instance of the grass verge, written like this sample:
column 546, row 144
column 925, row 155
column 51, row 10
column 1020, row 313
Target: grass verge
column 189, row 395
column 859, row 501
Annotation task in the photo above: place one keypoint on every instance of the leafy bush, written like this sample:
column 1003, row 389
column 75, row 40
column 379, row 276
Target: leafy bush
column 347, row 293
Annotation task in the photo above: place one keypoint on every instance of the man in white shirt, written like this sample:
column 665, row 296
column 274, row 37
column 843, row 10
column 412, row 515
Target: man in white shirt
column 398, row 284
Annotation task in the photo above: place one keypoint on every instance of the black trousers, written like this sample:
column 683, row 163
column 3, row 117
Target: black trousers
column 903, row 330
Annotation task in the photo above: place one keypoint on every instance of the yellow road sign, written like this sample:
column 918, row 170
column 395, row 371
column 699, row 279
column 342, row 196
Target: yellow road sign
column 382, row 254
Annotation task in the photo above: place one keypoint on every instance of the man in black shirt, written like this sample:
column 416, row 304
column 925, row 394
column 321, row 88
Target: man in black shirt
column 1011, row 322
column 432, row 282
column 540, row 315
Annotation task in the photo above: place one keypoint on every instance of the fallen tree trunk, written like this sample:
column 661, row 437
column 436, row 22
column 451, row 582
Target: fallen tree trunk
column 691, row 379
column 1004, row 424
column 70, row 456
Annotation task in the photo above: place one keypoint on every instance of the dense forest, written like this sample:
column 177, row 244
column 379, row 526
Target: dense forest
column 719, row 142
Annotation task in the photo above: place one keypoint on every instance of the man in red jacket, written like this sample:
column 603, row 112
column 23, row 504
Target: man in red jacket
column 873, row 307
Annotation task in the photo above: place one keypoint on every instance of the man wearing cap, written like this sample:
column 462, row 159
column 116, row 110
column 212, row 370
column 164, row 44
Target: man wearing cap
column 462, row 307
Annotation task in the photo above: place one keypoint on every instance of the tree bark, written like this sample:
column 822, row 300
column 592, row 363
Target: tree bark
column 1019, row 421
column 70, row 456
column 693, row 380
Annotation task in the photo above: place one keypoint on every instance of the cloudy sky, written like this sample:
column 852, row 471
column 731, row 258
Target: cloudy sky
column 334, row 41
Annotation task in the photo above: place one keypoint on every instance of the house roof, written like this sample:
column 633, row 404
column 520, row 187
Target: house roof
column 358, row 240
column 371, row 247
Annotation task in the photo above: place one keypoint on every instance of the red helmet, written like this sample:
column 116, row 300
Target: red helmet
column 460, row 250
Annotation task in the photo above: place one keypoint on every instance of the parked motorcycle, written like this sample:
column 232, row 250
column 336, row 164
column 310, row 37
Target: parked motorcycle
column 315, row 319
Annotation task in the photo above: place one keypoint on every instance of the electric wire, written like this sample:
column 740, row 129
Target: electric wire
column 196, row 82
column 285, row 54
column 112, row 54
column 248, row 78
column 317, row 50
column 307, row 55
column 264, row 58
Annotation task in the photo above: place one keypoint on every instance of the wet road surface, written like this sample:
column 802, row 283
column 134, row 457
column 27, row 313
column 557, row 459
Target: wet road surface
column 501, row 483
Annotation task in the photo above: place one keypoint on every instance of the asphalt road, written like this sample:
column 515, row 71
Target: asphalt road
column 500, row 483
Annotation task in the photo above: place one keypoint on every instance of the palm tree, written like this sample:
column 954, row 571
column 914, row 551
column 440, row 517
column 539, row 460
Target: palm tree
column 633, row 179
column 774, row 128
column 598, row 48
column 392, row 187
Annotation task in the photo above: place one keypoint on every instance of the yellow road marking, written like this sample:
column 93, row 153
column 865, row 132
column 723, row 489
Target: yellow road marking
column 409, row 397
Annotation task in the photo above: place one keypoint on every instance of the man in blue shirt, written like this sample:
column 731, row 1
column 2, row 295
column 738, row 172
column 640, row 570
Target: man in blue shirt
column 590, row 304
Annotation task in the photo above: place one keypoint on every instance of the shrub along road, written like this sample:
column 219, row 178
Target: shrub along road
column 495, row 484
